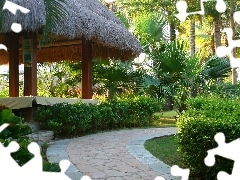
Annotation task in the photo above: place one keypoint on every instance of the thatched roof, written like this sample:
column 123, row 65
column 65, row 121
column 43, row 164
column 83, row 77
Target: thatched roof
column 88, row 18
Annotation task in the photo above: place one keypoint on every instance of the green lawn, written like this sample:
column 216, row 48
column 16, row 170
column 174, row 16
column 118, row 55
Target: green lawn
column 165, row 149
column 165, row 119
column 167, row 114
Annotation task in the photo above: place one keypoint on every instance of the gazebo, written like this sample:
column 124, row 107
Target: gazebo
column 89, row 31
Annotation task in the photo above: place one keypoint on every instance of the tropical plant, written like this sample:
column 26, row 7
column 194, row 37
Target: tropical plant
column 17, row 131
column 57, row 79
column 175, row 74
column 165, row 8
column 169, row 66
column 116, row 77
column 149, row 30
column 216, row 67
column 55, row 12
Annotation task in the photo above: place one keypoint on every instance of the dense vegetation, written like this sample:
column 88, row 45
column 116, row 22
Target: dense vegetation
column 179, row 63
column 197, row 127
column 74, row 120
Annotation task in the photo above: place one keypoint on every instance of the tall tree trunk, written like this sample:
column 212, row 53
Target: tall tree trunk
column 232, row 25
column 217, row 39
column 172, row 31
column 168, row 105
column 192, row 37
column 217, row 34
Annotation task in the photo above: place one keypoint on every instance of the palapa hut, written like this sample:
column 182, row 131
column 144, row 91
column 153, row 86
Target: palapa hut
column 89, row 31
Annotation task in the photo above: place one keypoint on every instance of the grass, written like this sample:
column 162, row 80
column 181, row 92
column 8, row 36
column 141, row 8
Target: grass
column 167, row 114
column 165, row 149
column 165, row 119
column 49, row 167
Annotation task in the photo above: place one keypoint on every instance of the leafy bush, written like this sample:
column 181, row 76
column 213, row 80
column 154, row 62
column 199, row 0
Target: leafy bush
column 78, row 119
column 16, row 131
column 197, row 127
column 226, row 90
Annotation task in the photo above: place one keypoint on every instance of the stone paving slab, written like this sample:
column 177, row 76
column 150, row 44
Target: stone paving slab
column 136, row 148
column 118, row 155
column 112, row 155
column 57, row 152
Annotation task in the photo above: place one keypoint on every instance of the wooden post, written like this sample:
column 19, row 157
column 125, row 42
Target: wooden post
column 30, row 70
column 86, row 69
column 30, row 77
column 14, row 65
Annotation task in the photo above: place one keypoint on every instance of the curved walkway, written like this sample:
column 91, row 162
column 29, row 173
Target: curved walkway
column 112, row 155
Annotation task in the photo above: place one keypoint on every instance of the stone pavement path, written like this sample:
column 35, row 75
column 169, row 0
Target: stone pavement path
column 112, row 155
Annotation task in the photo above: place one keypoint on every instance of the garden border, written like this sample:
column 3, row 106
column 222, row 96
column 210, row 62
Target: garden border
column 136, row 148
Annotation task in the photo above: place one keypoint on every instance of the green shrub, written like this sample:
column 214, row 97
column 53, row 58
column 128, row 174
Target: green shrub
column 73, row 120
column 197, row 127
column 16, row 131
column 134, row 111
column 226, row 90
column 64, row 119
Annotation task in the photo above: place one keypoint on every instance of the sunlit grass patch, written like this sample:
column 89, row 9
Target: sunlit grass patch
column 165, row 119
column 165, row 149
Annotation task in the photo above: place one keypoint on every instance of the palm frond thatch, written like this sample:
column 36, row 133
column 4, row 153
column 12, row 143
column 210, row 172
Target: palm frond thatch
column 1, row 12
column 86, row 18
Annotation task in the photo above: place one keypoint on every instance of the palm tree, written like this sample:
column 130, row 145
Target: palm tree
column 175, row 72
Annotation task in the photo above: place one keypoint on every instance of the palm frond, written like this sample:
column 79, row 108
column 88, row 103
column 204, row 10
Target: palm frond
column 55, row 13
column 216, row 67
column 150, row 27
column 173, row 58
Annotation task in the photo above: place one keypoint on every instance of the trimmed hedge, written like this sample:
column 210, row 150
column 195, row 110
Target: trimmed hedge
column 196, row 130
column 67, row 120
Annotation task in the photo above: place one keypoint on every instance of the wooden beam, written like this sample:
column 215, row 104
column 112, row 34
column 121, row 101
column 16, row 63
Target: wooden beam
column 13, row 65
column 30, row 70
column 86, row 69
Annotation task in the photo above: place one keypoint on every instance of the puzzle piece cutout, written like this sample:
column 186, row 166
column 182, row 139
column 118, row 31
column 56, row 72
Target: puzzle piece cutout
column 5, row 154
column 228, row 150
column 222, row 51
column 32, row 169
column 236, row 16
column 182, row 9
column 12, row 7
column 177, row 171
column 2, row 46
